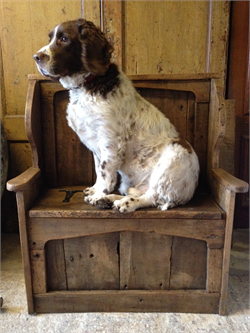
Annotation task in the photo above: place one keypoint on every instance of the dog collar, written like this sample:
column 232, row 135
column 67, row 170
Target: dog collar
column 89, row 78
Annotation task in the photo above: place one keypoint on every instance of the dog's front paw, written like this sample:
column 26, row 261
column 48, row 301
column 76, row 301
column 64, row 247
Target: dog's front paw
column 89, row 191
column 104, row 203
column 125, row 205
column 94, row 199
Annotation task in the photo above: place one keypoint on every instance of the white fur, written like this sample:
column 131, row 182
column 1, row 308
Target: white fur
column 129, row 135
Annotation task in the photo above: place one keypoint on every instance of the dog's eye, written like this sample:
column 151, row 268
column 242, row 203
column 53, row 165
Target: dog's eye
column 64, row 39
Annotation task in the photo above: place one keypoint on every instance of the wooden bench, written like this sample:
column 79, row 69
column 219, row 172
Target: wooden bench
column 78, row 258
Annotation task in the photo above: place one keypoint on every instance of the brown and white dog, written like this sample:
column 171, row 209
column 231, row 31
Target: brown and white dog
column 126, row 134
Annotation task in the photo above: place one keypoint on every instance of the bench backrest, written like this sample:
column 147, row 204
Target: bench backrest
column 64, row 160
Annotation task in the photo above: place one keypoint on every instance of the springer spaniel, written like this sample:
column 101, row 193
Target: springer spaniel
column 126, row 134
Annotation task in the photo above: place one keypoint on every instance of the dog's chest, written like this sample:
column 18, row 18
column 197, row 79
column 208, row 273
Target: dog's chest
column 84, row 119
column 90, row 117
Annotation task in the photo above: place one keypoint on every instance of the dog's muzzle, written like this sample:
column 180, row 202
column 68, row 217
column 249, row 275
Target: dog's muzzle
column 41, row 57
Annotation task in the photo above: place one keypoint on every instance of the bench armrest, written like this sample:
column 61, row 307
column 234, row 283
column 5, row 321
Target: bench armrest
column 230, row 182
column 24, row 181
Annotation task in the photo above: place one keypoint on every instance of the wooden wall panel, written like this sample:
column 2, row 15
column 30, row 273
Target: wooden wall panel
column 165, row 36
column 92, row 11
column 24, row 30
column 169, row 36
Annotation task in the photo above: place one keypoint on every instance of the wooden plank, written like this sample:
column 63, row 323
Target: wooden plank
column 171, row 42
column 216, row 129
column 48, row 135
column 43, row 229
column 200, row 89
column 201, row 138
column 25, row 199
column 228, row 203
column 127, row 301
column 113, row 27
column 92, row 262
column 214, row 270
column 219, row 41
column 55, row 265
column 188, row 264
column 125, row 258
column 225, row 197
column 144, row 261
column 152, row 77
column 230, row 182
column 51, row 205
column 21, row 206
column 33, row 123
column 226, row 159
column 190, row 119
column 198, row 83
column 38, row 270
column 92, row 11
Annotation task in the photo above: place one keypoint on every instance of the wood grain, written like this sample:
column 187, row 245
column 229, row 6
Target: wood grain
column 188, row 264
column 144, row 261
column 51, row 205
column 127, row 301
column 92, row 263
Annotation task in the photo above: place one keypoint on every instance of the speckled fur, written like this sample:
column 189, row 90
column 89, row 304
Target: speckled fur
column 130, row 136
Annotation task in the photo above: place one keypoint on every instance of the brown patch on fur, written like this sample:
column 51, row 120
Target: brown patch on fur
column 105, row 83
column 103, row 165
column 96, row 50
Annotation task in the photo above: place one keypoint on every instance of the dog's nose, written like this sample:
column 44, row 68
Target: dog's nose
column 40, row 56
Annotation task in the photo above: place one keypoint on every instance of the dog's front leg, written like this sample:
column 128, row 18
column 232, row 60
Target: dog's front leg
column 106, row 171
column 91, row 190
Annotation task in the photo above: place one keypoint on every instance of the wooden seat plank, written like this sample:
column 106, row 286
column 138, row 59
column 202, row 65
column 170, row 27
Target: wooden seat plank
column 51, row 204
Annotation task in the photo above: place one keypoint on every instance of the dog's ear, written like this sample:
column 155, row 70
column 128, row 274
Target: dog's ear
column 96, row 49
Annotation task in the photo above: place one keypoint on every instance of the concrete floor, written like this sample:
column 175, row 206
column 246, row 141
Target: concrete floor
column 14, row 317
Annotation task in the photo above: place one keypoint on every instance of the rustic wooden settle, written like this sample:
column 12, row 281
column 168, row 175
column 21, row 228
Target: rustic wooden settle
column 78, row 258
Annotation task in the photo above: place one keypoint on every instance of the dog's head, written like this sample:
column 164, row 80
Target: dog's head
column 74, row 47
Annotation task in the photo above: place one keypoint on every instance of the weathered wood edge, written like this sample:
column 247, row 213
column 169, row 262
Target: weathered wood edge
column 230, row 182
column 23, row 181
column 32, row 110
column 112, row 214
column 134, row 77
column 198, row 301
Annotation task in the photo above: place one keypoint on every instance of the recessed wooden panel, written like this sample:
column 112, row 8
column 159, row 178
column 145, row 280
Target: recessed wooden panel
column 55, row 265
column 92, row 263
column 174, row 104
column 144, row 260
column 190, row 118
column 74, row 161
column 188, row 264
